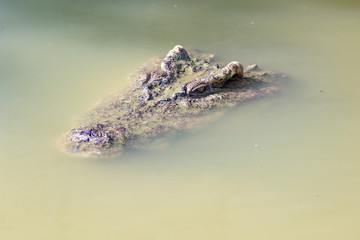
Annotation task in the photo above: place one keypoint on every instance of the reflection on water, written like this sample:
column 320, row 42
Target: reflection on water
column 284, row 168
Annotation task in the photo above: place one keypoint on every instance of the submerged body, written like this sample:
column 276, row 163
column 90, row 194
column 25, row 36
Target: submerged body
column 178, row 92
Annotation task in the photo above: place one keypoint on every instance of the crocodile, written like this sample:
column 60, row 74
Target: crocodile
column 183, row 90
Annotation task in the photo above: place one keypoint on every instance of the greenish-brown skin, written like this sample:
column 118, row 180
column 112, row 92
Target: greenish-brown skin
column 178, row 92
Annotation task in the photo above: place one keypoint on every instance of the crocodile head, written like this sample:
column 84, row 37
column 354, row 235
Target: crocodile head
column 178, row 92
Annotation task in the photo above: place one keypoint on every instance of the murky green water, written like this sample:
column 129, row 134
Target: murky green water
column 280, row 168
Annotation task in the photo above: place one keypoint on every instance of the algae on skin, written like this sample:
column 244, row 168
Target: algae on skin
column 179, row 92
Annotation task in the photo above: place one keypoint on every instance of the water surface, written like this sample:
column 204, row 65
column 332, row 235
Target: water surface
column 279, row 168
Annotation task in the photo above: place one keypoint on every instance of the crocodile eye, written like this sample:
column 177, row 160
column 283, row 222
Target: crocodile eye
column 200, row 89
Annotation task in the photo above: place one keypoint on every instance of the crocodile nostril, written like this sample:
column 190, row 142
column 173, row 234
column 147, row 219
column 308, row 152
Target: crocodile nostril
column 95, row 133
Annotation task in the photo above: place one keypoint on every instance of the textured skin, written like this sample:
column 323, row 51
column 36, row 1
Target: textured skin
column 178, row 92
